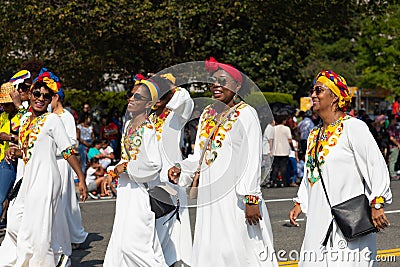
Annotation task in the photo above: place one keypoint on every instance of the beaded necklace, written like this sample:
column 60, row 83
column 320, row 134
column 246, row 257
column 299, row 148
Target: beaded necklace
column 159, row 121
column 132, row 139
column 328, row 139
column 30, row 127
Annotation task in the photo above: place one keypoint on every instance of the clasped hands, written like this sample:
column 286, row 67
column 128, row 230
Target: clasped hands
column 13, row 153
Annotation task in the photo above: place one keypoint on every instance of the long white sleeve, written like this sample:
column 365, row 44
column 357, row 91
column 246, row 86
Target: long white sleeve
column 250, row 151
column 369, row 160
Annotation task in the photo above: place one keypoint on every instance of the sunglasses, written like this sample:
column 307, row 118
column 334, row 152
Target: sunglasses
column 317, row 90
column 137, row 97
column 222, row 81
column 23, row 87
column 46, row 96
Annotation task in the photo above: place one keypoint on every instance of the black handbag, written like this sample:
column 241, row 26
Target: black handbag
column 353, row 216
column 161, row 202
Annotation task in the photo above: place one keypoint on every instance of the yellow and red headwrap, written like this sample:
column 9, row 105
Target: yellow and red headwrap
column 337, row 84
column 153, row 88
column 50, row 79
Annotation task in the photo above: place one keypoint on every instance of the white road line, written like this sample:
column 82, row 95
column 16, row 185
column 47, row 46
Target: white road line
column 98, row 200
column 392, row 211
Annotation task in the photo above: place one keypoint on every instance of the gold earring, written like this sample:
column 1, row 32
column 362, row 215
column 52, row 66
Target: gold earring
column 236, row 99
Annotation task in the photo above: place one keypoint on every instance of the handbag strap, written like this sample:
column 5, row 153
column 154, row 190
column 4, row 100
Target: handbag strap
column 330, row 228
column 317, row 165
column 222, row 120
column 319, row 170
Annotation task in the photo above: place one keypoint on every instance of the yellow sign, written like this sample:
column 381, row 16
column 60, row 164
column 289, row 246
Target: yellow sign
column 305, row 103
column 353, row 91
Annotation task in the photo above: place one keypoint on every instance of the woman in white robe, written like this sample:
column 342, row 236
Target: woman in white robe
column 347, row 154
column 232, row 221
column 68, row 196
column 31, row 239
column 173, row 111
column 134, row 240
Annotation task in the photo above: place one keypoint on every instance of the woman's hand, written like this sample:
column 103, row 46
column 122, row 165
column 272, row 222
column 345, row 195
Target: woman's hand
column 16, row 98
column 83, row 191
column 120, row 168
column 4, row 137
column 13, row 153
column 173, row 174
column 294, row 214
column 253, row 214
column 379, row 219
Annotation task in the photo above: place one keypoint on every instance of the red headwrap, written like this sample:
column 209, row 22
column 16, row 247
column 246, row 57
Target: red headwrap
column 212, row 65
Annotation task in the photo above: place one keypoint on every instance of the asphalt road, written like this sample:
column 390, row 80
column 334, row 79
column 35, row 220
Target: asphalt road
column 98, row 216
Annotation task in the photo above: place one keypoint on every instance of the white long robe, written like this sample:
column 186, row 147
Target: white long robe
column 68, row 196
column 223, row 237
column 134, row 240
column 354, row 156
column 175, row 237
column 31, row 239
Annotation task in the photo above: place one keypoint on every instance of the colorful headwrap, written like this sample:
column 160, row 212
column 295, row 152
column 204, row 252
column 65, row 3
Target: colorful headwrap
column 337, row 84
column 153, row 88
column 60, row 93
column 169, row 77
column 212, row 65
column 137, row 78
column 50, row 79
column 19, row 77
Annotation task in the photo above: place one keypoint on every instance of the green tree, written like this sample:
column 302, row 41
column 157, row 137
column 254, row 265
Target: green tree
column 378, row 49
column 278, row 44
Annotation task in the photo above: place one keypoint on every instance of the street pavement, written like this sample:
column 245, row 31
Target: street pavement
column 98, row 216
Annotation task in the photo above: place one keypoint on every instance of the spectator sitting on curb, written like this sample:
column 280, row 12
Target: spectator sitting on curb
column 107, row 153
column 94, row 151
column 95, row 179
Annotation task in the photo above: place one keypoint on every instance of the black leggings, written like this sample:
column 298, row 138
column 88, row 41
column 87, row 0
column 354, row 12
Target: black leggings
column 279, row 167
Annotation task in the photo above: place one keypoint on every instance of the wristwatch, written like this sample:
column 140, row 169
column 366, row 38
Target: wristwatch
column 377, row 206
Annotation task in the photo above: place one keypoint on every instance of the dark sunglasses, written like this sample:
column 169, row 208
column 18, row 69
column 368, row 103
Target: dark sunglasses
column 23, row 87
column 137, row 97
column 317, row 90
column 46, row 96
column 222, row 81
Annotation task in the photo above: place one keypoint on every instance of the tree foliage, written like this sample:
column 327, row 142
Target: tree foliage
column 379, row 51
column 279, row 44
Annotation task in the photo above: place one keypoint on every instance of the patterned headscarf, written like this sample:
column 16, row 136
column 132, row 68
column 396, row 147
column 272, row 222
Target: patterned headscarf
column 337, row 84
column 153, row 88
column 137, row 78
column 50, row 79
column 19, row 77
column 212, row 65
